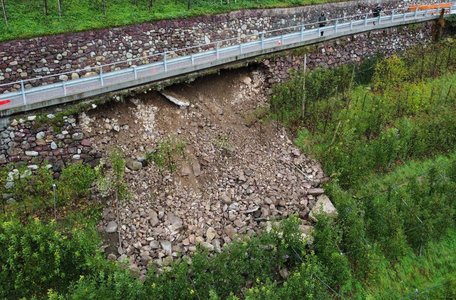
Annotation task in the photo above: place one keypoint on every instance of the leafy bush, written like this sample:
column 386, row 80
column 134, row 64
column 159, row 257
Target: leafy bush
column 36, row 257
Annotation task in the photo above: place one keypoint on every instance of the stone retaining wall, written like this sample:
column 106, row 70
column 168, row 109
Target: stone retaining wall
column 350, row 49
column 43, row 56
column 32, row 143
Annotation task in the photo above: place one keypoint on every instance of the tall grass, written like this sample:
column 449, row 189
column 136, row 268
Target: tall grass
column 27, row 19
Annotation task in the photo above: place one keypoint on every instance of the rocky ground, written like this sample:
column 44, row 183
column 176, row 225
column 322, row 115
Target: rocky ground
column 236, row 175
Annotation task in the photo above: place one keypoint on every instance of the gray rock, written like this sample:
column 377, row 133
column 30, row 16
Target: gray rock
column 323, row 206
column 9, row 185
column 31, row 153
column 40, row 135
column 175, row 222
column 77, row 136
column 134, row 270
column 154, row 245
column 167, row 246
column 53, row 145
column 315, row 191
column 111, row 227
column 112, row 257
column 134, row 165
column 207, row 246
column 210, row 234
column 225, row 199
column 196, row 168
column 145, row 258
column 154, row 221
column 186, row 170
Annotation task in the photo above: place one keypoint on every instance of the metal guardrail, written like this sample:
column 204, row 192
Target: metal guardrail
column 169, row 63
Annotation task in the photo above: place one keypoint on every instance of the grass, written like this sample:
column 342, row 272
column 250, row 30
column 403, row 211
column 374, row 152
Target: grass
column 389, row 146
column 27, row 19
column 425, row 276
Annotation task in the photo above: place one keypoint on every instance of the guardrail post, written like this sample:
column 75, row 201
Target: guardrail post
column 101, row 76
column 351, row 24
column 24, row 99
column 335, row 28
column 135, row 72
column 416, row 12
column 218, row 49
column 365, row 20
column 164, row 62
column 379, row 19
column 262, row 40
column 240, row 48
column 64, row 88
column 392, row 15
column 302, row 32
column 403, row 16
column 193, row 59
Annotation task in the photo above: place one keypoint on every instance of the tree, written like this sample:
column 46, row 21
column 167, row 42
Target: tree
column 5, row 16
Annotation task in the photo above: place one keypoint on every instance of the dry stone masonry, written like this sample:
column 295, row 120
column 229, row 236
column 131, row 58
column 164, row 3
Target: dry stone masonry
column 350, row 49
column 30, row 142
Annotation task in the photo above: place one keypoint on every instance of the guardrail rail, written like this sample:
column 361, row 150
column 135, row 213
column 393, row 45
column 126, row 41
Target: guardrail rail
column 22, row 96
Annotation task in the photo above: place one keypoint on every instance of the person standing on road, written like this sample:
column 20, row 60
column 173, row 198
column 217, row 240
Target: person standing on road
column 376, row 11
column 322, row 22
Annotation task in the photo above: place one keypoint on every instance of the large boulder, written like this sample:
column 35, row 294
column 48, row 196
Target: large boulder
column 323, row 206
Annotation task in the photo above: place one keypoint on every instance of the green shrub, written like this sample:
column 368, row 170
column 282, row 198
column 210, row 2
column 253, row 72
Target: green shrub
column 75, row 182
column 36, row 257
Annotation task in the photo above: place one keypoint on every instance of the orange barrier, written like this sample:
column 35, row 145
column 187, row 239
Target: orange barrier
column 430, row 6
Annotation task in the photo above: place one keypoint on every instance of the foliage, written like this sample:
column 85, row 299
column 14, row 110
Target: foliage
column 336, row 267
column 255, row 260
column 29, row 190
column 36, row 257
column 389, row 74
column 167, row 154
column 391, row 209
column 304, row 283
column 412, row 121
column 111, row 182
column 26, row 18
column 33, row 190
column 75, row 182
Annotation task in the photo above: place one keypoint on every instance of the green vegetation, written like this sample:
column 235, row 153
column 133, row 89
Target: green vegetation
column 167, row 154
column 32, row 191
column 27, row 18
column 390, row 147
column 392, row 209
column 356, row 130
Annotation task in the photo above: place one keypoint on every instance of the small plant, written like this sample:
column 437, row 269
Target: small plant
column 167, row 154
